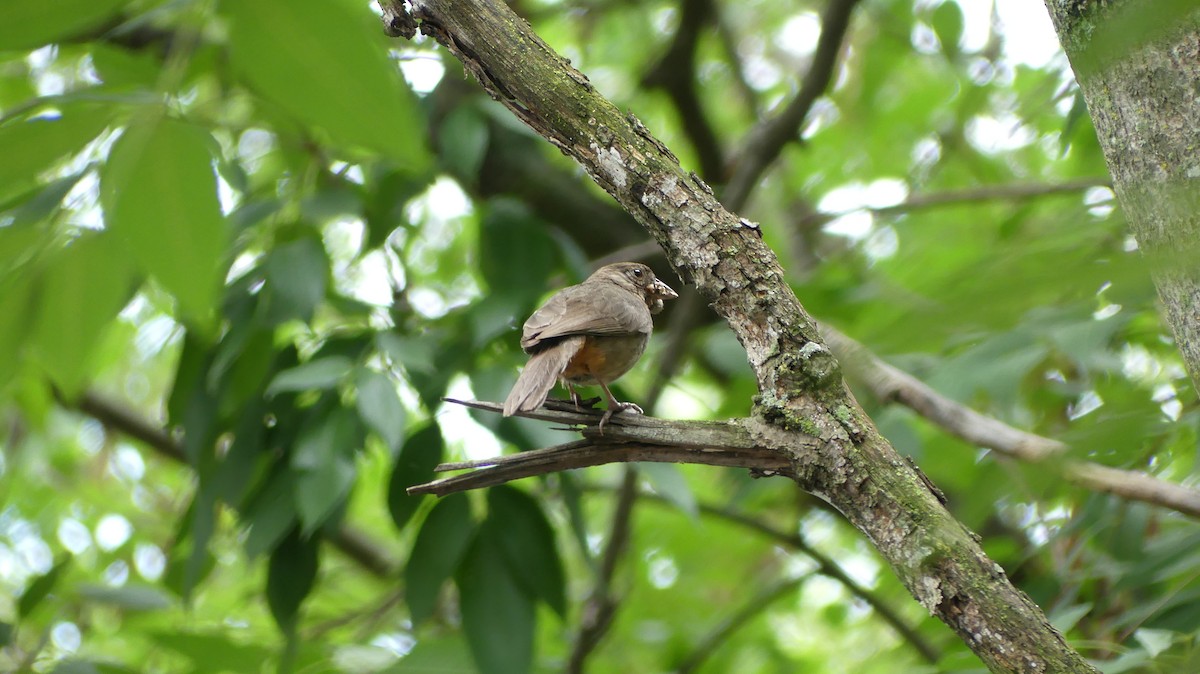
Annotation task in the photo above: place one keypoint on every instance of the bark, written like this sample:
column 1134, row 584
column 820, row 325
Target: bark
column 1138, row 66
column 801, row 391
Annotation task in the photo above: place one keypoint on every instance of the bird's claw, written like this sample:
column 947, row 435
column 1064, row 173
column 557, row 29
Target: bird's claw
column 614, row 409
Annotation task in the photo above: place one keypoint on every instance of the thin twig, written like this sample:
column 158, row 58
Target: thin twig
column 720, row 633
column 826, row 566
column 971, row 195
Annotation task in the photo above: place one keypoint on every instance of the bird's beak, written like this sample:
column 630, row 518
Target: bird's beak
column 660, row 290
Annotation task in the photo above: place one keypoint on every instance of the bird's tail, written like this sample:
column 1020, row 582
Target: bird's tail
column 539, row 376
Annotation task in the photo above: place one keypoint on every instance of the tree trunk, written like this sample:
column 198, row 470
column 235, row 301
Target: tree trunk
column 803, row 409
column 1138, row 65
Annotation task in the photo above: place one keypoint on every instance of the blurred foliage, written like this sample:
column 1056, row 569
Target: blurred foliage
column 281, row 239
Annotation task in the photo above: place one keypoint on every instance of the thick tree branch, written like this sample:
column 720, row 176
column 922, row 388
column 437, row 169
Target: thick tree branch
column 892, row 384
column 353, row 543
column 801, row 393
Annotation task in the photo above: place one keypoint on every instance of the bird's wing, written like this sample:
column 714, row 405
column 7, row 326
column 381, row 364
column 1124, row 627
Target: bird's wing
column 586, row 310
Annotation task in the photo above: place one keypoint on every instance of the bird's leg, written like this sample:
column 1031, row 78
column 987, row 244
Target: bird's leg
column 574, row 396
column 614, row 406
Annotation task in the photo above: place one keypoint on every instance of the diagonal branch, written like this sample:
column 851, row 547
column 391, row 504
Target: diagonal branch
column 826, row 566
column 675, row 73
column 720, row 633
column 892, row 384
column 764, row 143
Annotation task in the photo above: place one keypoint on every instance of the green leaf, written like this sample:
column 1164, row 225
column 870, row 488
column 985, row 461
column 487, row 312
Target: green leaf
column 124, row 67
column 415, row 352
column 189, row 377
column 25, row 24
column 31, row 147
column 668, row 482
column 296, row 274
column 1154, row 641
column 1065, row 618
column 521, row 255
column 463, row 137
column 271, row 513
column 379, row 406
column 159, row 194
column 6, row 634
column 527, row 541
column 237, row 468
column 38, row 205
column 497, row 617
column 323, row 461
column 326, row 63
column 436, row 553
column 203, row 524
column 322, row 373
column 17, row 294
column 385, row 203
column 83, row 288
column 39, row 588
column 128, row 597
column 440, row 655
column 420, row 455
column 214, row 652
column 291, row 573
column 948, row 25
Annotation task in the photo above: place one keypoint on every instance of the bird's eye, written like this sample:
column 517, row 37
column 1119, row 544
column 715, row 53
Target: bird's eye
column 637, row 271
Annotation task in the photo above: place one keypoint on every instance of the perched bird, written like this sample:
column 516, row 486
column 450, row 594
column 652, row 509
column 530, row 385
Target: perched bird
column 589, row 334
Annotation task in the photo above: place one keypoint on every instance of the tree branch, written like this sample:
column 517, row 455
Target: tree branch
column 626, row 438
column 801, row 393
column 601, row 607
column 971, row 195
column 350, row 541
column 720, row 633
column 675, row 74
column 764, row 143
column 889, row 383
column 827, row 567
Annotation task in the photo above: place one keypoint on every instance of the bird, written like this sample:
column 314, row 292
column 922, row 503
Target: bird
column 589, row 334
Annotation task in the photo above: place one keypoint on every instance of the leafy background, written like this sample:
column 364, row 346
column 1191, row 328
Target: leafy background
column 246, row 247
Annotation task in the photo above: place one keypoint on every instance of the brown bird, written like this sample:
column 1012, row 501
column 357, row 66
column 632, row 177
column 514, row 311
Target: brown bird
column 589, row 334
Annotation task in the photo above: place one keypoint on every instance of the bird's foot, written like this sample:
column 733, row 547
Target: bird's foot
column 614, row 409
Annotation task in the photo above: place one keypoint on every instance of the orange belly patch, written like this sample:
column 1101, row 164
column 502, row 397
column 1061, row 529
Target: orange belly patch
column 587, row 361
